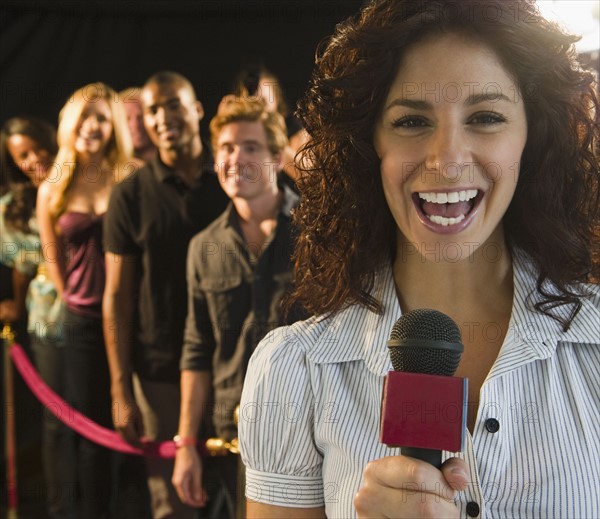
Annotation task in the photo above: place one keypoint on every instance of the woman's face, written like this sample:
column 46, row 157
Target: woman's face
column 33, row 160
column 450, row 139
column 94, row 129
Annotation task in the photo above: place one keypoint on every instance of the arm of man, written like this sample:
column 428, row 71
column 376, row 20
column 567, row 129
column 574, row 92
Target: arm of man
column 196, row 382
column 187, row 473
column 117, row 311
column 51, row 246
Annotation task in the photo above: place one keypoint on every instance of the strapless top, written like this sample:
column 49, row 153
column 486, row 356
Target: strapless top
column 81, row 234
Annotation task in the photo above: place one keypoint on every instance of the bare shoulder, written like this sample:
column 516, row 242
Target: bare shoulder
column 45, row 188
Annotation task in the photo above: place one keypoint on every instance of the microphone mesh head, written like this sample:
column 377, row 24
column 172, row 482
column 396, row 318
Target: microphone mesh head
column 425, row 341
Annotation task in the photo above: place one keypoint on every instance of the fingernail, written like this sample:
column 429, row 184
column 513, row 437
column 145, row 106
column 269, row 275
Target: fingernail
column 459, row 471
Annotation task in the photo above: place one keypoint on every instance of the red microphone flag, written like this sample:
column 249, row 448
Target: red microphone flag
column 423, row 411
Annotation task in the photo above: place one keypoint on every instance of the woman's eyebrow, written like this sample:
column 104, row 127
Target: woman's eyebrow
column 473, row 99
column 486, row 97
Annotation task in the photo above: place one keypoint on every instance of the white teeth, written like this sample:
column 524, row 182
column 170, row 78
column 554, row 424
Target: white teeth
column 442, row 220
column 453, row 197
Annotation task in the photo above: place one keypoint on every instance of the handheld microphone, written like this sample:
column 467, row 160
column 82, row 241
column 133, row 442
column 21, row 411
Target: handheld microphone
column 424, row 406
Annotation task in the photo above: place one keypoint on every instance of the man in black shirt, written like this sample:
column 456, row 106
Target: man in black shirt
column 152, row 216
column 238, row 271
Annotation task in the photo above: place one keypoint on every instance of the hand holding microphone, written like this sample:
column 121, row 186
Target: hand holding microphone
column 403, row 487
column 423, row 412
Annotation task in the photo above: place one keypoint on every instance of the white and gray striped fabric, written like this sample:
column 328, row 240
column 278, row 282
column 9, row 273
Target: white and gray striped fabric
column 309, row 420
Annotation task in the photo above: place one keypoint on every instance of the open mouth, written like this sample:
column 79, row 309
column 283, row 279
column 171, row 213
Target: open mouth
column 447, row 208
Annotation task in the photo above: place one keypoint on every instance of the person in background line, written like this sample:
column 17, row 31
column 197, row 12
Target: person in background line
column 27, row 150
column 453, row 165
column 95, row 153
column 256, row 81
column 149, row 223
column 238, row 270
column 143, row 148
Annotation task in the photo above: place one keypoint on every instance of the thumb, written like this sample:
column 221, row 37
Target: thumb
column 456, row 473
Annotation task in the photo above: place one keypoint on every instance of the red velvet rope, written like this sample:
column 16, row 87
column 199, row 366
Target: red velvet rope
column 79, row 422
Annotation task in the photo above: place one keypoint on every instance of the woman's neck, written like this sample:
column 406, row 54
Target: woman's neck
column 85, row 160
column 480, row 284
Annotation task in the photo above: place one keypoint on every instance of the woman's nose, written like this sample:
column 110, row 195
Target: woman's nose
column 448, row 152
column 91, row 123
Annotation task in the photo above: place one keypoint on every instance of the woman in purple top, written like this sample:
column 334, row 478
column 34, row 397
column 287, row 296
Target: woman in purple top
column 95, row 152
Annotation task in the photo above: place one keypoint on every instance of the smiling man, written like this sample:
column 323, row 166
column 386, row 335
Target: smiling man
column 150, row 220
column 239, row 268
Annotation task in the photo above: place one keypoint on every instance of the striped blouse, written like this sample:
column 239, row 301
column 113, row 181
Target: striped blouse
column 309, row 416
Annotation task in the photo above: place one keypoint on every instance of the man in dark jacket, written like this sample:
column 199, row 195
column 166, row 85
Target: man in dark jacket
column 238, row 271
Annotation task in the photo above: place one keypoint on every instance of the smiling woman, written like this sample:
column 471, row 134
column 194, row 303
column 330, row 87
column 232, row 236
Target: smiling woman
column 95, row 152
column 450, row 144
column 452, row 166
column 344, row 107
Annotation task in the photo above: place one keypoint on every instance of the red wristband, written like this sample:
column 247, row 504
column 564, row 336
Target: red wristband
column 184, row 442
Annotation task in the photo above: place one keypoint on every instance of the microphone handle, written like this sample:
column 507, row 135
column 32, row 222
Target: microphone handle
column 431, row 456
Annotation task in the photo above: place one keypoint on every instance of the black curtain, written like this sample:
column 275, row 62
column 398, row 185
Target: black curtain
column 49, row 48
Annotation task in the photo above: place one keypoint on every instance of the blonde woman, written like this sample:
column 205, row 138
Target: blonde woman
column 95, row 152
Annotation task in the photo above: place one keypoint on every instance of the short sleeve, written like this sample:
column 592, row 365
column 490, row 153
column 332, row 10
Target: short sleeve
column 276, row 426
column 119, row 222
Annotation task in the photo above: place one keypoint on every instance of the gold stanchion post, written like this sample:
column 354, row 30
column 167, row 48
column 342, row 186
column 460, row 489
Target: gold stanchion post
column 7, row 338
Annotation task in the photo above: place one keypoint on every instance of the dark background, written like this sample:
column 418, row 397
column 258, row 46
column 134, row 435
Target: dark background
column 49, row 48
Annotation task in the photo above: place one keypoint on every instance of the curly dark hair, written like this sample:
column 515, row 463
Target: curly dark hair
column 22, row 205
column 346, row 228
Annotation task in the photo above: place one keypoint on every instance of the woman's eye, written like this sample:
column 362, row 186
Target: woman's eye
column 410, row 122
column 487, row 118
